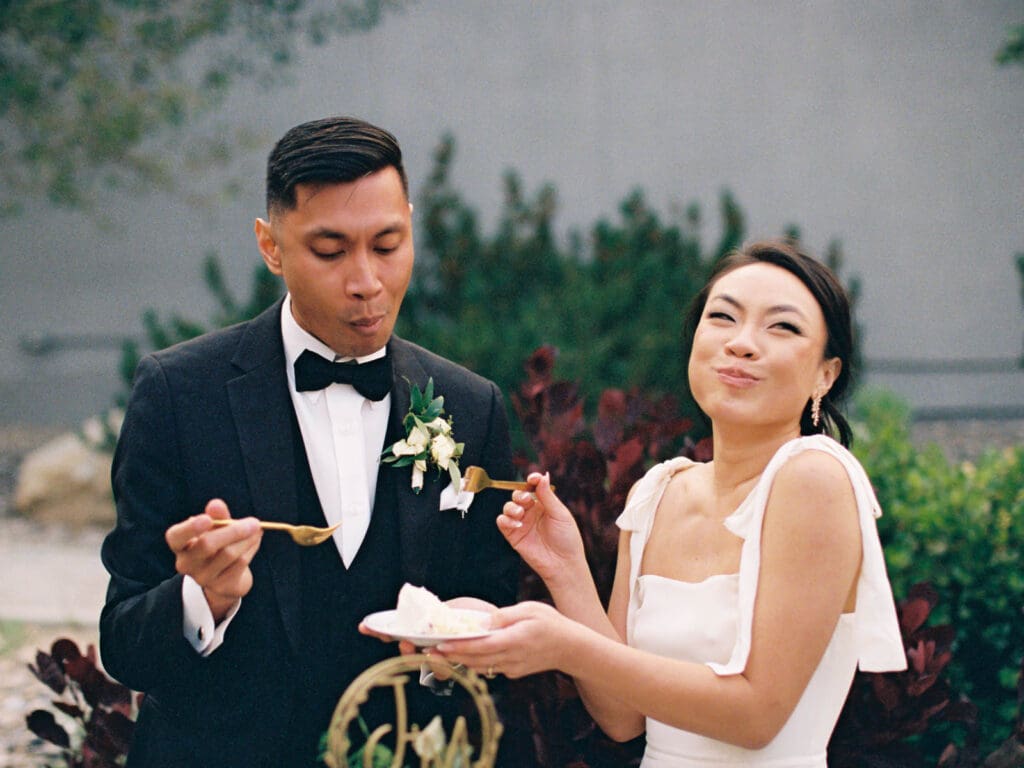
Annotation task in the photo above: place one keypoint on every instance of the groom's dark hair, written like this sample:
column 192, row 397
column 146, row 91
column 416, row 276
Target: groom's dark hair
column 332, row 150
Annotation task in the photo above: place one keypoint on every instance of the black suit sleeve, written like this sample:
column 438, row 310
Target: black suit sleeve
column 141, row 638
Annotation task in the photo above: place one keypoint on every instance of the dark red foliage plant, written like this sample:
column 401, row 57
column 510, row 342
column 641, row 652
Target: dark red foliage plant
column 594, row 463
column 102, row 709
column 884, row 710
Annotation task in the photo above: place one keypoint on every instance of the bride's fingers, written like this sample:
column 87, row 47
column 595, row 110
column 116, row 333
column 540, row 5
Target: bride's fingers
column 524, row 498
column 508, row 526
column 521, row 503
column 543, row 486
column 440, row 667
column 365, row 630
column 512, row 509
column 515, row 613
column 546, row 496
column 511, row 517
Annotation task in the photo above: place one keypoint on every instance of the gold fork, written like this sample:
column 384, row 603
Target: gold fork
column 476, row 479
column 303, row 535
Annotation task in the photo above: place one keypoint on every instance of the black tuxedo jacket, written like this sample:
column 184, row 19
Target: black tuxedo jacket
column 212, row 418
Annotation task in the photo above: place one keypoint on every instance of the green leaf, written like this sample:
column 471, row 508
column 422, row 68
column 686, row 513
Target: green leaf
column 415, row 399
column 98, row 90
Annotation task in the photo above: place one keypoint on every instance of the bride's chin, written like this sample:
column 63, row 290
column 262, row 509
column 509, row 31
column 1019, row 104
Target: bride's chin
column 726, row 412
column 727, row 420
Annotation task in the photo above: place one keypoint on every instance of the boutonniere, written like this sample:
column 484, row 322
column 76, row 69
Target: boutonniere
column 428, row 438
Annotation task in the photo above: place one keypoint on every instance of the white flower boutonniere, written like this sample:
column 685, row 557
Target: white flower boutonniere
column 428, row 439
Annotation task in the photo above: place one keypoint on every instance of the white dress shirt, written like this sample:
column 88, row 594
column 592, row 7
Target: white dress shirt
column 343, row 433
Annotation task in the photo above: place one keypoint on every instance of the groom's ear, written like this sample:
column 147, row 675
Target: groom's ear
column 268, row 245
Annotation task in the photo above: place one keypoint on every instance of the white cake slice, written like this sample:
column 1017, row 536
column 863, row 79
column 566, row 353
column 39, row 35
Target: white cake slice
column 421, row 611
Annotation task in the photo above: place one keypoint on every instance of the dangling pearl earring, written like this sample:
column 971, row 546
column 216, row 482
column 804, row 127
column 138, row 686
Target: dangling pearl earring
column 816, row 410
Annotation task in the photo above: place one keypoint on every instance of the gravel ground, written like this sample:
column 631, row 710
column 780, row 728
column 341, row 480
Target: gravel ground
column 20, row 692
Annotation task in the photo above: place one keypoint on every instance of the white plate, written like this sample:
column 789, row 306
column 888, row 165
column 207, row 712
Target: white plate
column 386, row 622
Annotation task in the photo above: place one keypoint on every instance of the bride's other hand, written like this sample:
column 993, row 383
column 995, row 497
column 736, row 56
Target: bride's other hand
column 530, row 637
column 471, row 604
column 439, row 666
column 541, row 528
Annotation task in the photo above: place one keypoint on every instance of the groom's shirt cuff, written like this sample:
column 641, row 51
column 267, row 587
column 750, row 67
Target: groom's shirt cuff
column 200, row 631
column 437, row 687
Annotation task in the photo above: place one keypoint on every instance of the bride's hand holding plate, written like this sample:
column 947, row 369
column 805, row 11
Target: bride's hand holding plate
column 526, row 638
column 386, row 626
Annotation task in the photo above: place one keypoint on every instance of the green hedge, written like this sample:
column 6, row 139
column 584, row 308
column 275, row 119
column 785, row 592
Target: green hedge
column 959, row 526
column 611, row 300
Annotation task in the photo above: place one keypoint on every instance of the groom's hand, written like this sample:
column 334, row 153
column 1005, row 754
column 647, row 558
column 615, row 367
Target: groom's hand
column 216, row 558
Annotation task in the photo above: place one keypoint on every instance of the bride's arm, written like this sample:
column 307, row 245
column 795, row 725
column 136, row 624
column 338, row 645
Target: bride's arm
column 546, row 535
column 810, row 555
column 617, row 719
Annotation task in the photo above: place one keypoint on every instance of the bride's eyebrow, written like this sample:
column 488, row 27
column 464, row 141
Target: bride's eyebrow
column 775, row 309
column 780, row 308
column 727, row 299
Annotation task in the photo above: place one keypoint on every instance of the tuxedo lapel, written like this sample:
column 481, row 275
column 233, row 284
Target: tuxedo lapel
column 417, row 512
column 262, row 410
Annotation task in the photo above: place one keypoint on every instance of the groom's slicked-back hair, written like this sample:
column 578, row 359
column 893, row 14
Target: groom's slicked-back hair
column 333, row 150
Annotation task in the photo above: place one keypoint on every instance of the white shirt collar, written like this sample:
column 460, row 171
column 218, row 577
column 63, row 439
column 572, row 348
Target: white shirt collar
column 297, row 340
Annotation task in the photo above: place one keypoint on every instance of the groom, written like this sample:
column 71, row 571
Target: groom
column 242, row 641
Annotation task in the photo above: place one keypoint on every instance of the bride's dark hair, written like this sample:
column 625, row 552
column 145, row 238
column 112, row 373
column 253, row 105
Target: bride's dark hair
column 835, row 306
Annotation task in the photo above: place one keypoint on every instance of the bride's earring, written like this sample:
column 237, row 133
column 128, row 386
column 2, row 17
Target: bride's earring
column 816, row 410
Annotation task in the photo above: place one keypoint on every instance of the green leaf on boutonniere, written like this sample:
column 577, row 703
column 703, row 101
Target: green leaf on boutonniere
column 428, row 439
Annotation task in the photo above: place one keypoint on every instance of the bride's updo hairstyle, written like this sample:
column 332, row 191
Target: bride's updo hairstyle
column 835, row 306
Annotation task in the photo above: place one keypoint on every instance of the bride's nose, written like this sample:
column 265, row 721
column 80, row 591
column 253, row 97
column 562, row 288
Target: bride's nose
column 741, row 344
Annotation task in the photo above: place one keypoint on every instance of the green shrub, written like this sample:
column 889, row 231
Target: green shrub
column 612, row 301
column 160, row 334
column 961, row 528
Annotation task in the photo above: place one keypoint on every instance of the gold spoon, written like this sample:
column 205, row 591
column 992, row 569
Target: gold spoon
column 476, row 479
column 303, row 535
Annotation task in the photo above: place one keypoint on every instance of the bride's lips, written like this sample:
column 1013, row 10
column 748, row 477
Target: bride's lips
column 736, row 377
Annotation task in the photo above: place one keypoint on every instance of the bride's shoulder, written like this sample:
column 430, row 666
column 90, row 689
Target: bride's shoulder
column 695, row 474
column 813, row 468
column 816, row 461
column 814, row 485
column 663, row 474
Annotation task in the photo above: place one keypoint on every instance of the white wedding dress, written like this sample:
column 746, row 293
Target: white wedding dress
column 710, row 622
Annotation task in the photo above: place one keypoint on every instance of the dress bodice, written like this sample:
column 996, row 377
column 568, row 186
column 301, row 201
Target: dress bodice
column 709, row 622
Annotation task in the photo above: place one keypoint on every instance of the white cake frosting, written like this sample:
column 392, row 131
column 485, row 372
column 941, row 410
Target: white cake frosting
column 421, row 611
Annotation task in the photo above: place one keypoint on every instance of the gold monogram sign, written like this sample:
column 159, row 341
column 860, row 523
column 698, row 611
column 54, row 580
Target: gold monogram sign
column 430, row 746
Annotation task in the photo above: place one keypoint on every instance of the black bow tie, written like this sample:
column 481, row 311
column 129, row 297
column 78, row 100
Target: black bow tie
column 372, row 380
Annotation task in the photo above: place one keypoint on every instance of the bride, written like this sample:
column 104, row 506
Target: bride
column 748, row 589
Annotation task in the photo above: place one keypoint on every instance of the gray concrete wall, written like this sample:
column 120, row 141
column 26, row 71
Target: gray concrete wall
column 883, row 124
